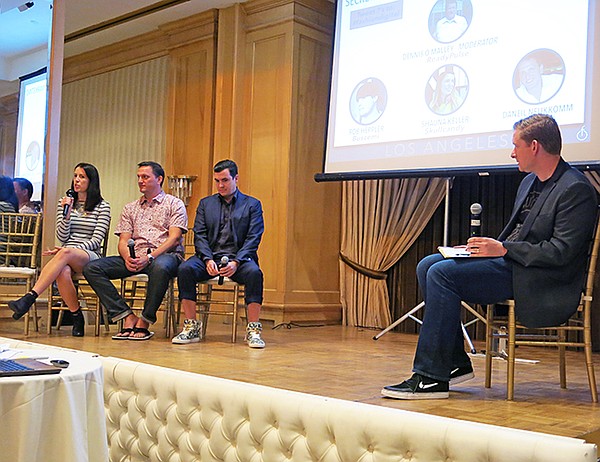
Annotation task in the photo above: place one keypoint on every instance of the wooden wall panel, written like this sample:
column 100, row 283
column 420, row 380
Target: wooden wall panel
column 315, row 240
column 190, row 121
column 9, row 109
column 268, row 69
column 115, row 120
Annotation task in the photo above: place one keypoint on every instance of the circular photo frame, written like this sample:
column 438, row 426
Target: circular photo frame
column 368, row 101
column 450, row 19
column 538, row 76
column 33, row 155
column 447, row 89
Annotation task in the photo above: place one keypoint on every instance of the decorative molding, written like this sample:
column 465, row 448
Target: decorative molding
column 142, row 48
column 192, row 29
column 9, row 104
column 316, row 14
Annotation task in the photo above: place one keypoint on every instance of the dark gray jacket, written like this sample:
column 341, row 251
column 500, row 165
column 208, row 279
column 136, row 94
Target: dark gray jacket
column 550, row 253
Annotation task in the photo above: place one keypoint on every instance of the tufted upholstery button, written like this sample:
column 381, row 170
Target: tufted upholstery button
column 370, row 448
column 408, row 455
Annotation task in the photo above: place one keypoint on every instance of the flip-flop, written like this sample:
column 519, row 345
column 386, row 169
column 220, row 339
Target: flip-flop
column 125, row 330
column 141, row 330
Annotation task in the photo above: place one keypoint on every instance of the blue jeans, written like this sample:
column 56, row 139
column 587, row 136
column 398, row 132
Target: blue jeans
column 445, row 282
column 193, row 270
column 100, row 272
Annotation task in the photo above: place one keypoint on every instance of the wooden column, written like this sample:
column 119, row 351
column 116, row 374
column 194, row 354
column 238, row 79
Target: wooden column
column 287, row 52
column 55, row 78
column 190, row 116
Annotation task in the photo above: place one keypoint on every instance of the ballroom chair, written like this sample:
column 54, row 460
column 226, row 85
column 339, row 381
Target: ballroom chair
column 229, row 294
column 188, row 243
column 576, row 332
column 88, row 299
column 133, row 290
column 20, row 235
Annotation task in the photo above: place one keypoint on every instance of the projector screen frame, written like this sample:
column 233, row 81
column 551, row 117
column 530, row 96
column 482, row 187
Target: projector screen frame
column 32, row 125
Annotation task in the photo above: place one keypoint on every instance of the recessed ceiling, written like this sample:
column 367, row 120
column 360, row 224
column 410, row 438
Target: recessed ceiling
column 25, row 34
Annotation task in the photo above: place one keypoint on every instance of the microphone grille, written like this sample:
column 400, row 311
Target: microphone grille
column 476, row 208
column 224, row 260
column 130, row 242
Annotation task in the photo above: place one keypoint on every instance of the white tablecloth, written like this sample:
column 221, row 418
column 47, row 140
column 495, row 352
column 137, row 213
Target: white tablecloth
column 56, row 417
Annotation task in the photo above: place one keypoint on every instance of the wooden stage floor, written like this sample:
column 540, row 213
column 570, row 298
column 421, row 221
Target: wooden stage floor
column 346, row 363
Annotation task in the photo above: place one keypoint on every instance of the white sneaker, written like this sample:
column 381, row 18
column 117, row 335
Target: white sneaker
column 190, row 334
column 253, row 330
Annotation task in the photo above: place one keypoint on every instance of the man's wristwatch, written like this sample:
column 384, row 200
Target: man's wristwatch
column 150, row 258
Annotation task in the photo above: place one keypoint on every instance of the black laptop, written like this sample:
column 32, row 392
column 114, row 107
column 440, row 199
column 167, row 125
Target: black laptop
column 17, row 367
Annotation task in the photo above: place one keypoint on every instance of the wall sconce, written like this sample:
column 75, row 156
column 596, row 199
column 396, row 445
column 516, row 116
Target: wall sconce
column 181, row 186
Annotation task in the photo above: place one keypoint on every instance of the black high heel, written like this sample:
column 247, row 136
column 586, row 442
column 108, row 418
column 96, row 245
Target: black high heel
column 22, row 305
column 78, row 324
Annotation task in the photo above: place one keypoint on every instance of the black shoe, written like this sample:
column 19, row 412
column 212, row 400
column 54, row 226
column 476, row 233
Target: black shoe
column 21, row 306
column 461, row 374
column 78, row 324
column 417, row 387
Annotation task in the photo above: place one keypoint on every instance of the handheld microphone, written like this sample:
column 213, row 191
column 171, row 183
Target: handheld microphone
column 131, row 245
column 70, row 193
column 475, row 230
column 223, row 264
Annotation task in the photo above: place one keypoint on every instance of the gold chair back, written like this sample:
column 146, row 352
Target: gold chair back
column 576, row 332
column 20, row 236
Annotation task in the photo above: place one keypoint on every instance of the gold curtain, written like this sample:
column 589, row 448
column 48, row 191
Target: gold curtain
column 380, row 221
column 594, row 178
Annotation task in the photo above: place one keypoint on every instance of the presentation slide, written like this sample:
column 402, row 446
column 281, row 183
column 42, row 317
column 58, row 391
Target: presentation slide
column 436, row 86
column 31, row 131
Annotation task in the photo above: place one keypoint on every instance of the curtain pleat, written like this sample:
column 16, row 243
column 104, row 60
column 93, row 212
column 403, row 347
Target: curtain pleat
column 594, row 178
column 380, row 220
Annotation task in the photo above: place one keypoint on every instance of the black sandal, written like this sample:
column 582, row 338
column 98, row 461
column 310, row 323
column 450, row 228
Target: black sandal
column 141, row 330
column 125, row 330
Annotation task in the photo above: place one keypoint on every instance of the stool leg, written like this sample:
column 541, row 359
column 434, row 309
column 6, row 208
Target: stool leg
column 50, row 303
column 510, row 381
column 234, row 317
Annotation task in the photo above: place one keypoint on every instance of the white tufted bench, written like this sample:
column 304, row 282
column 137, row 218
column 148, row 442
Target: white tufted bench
column 160, row 414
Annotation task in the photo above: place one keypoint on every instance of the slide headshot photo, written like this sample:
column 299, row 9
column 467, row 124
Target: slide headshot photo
column 538, row 76
column 368, row 101
column 450, row 19
column 447, row 89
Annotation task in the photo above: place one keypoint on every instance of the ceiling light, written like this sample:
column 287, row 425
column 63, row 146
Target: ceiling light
column 25, row 6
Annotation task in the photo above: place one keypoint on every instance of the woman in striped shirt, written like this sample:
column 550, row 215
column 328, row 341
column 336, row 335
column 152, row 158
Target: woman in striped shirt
column 80, row 231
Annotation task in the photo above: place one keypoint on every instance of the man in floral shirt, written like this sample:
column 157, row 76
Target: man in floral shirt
column 152, row 227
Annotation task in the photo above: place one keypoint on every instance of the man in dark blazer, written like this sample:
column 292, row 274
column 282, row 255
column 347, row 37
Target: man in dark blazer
column 227, row 231
column 539, row 259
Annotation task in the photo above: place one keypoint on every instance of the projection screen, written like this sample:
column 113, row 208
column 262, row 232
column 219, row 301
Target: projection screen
column 433, row 88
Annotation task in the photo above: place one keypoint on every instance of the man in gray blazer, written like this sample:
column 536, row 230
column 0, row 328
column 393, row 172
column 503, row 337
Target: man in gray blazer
column 227, row 231
column 539, row 259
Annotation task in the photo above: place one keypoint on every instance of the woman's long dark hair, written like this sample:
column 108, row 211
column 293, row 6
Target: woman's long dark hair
column 93, row 193
column 7, row 192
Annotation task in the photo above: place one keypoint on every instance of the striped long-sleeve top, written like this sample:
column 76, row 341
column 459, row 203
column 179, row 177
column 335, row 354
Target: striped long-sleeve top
column 83, row 230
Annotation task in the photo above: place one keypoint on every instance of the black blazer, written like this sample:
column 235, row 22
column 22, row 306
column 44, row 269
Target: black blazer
column 247, row 222
column 550, row 254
